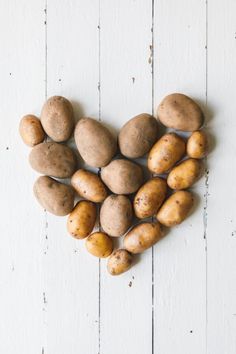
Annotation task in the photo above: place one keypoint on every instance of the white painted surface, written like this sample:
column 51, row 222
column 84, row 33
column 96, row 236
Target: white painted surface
column 54, row 297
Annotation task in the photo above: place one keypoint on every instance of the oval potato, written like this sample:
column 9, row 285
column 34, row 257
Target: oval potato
column 165, row 153
column 197, row 145
column 142, row 237
column 185, row 174
column 150, row 197
column 175, row 209
column 99, row 244
column 31, row 130
column 119, row 262
column 81, row 221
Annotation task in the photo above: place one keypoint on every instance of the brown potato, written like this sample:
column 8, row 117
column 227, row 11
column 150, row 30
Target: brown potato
column 53, row 159
column 142, row 237
column 89, row 186
column 122, row 176
column 119, row 262
column 116, row 215
column 175, row 209
column 197, row 145
column 150, row 197
column 138, row 135
column 55, row 197
column 180, row 112
column 81, row 221
column 165, row 153
column 185, row 174
column 99, row 244
column 57, row 118
column 95, row 142
column 31, row 130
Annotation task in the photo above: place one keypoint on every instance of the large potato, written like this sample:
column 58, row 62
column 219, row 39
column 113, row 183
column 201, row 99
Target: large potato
column 185, row 174
column 197, row 145
column 99, row 245
column 116, row 215
column 142, row 236
column 57, row 118
column 150, row 197
column 81, row 221
column 55, row 197
column 180, row 112
column 122, row 176
column 119, row 262
column 165, row 153
column 31, row 130
column 95, row 143
column 138, row 135
column 53, row 159
column 89, row 186
column 175, row 209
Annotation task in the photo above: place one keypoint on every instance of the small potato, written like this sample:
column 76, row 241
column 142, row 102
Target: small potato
column 99, row 244
column 180, row 112
column 175, row 209
column 149, row 197
column 81, row 221
column 138, row 135
column 116, row 215
column 185, row 174
column 197, row 145
column 142, row 237
column 89, row 186
column 119, row 262
column 165, row 153
column 55, row 197
column 122, row 176
column 57, row 118
column 31, row 130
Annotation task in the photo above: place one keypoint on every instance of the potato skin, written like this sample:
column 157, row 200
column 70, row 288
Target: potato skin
column 95, row 142
column 55, row 197
column 31, row 130
column 57, row 118
column 119, row 262
column 138, row 135
column 99, row 244
column 150, row 197
column 89, row 186
column 197, row 145
column 53, row 159
column 122, row 176
column 180, row 112
column 142, row 237
column 165, row 153
column 81, row 221
column 175, row 209
column 116, row 215
column 185, row 174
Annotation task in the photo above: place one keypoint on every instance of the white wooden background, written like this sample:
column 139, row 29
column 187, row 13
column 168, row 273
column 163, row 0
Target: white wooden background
column 115, row 59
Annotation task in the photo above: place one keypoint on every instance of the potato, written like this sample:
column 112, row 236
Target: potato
column 175, row 209
column 197, row 145
column 138, row 135
column 99, row 244
column 31, row 130
column 116, row 215
column 55, row 197
column 89, row 186
column 185, row 174
column 165, row 153
column 57, row 118
column 95, row 143
column 149, row 197
column 53, row 159
column 119, row 262
column 122, row 176
column 180, row 112
column 81, row 221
